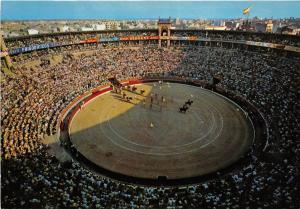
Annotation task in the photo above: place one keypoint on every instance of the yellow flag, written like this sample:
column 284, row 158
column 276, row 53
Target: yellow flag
column 247, row 10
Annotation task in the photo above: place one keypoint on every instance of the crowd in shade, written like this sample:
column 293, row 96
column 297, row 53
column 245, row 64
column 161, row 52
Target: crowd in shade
column 33, row 98
column 76, row 37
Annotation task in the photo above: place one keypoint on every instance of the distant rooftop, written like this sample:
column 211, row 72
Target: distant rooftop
column 164, row 20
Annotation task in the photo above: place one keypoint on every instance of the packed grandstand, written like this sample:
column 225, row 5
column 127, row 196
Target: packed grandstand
column 42, row 74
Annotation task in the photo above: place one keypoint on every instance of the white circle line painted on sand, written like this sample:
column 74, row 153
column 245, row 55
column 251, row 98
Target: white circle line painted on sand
column 162, row 154
column 165, row 154
column 174, row 146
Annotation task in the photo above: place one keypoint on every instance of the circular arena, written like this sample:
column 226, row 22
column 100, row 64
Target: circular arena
column 221, row 131
column 147, row 141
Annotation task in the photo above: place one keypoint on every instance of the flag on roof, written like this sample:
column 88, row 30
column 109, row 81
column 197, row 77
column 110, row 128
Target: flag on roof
column 247, row 10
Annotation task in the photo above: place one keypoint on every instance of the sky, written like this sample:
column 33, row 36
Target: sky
column 41, row 10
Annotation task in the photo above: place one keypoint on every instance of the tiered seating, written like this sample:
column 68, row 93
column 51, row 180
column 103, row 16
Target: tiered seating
column 32, row 101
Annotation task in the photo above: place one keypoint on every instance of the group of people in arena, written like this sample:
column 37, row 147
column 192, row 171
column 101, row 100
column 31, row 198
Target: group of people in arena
column 33, row 98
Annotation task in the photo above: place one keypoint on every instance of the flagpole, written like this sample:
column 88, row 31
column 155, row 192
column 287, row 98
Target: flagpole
column 246, row 11
column 249, row 21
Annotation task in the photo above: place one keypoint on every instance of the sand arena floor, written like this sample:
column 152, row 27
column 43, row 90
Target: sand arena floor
column 118, row 135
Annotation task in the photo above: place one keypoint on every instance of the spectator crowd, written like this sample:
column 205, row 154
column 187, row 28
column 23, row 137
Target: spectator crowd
column 33, row 98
